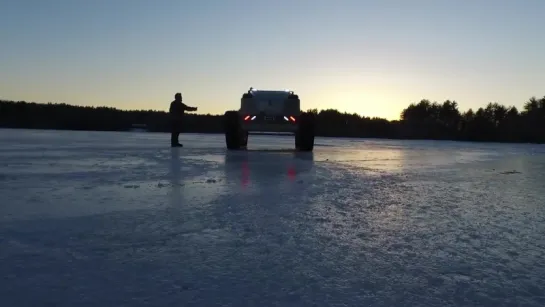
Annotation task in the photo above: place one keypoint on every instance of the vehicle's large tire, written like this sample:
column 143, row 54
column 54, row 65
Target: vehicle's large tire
column 304, row 137
column 235, row 138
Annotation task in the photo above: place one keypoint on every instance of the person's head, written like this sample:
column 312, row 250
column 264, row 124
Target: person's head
column 178, row 97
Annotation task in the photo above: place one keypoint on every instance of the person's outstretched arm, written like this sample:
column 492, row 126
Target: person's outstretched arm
column 188, row 108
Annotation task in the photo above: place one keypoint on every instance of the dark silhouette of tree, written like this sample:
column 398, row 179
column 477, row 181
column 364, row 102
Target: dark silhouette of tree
column 423, row 120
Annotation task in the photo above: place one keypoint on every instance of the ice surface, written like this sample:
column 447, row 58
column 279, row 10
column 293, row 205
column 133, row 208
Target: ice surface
column 121, row 219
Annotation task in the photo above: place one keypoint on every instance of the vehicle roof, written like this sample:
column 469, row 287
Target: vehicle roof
column 270, row 94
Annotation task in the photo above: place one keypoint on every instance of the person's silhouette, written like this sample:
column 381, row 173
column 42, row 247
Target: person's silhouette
column 177, row 109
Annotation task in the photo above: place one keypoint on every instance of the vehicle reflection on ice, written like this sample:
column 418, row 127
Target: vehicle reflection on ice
column 265, row 167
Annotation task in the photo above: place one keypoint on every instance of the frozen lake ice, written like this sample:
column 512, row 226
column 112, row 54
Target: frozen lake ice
column 121, row 219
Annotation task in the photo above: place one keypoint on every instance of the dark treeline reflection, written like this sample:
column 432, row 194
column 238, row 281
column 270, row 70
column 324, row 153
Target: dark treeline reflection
column 423, row 120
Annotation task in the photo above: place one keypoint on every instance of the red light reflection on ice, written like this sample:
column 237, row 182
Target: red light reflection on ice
column 291, row 173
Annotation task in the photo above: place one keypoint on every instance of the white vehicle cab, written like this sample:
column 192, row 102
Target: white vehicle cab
column 269, row 111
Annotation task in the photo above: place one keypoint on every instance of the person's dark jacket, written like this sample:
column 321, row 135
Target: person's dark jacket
column 177, row 109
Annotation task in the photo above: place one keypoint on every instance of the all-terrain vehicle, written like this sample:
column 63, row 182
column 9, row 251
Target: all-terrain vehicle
column 269, row 111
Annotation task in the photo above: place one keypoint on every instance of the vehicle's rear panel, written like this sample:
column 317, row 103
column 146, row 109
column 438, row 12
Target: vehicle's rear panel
column 270, row 111
column 270, row 103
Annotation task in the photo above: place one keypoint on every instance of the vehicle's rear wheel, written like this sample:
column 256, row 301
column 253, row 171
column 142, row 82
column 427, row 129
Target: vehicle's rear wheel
column 235, row 137
column 304, row 137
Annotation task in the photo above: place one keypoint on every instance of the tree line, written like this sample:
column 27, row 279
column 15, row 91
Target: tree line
column 423, row 120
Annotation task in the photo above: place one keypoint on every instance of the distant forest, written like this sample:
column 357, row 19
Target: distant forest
column 423, row 120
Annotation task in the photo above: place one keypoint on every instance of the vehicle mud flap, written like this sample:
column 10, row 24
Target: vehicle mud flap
column 304, row 137
column 235, row 137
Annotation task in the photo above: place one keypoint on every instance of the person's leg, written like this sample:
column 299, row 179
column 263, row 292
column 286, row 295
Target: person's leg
column 173, row 137
column 175, row 133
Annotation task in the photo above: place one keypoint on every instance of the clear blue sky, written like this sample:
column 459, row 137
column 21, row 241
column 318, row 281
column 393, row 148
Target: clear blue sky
column 368, row 57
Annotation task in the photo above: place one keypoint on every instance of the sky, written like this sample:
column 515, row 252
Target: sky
column 373, row 58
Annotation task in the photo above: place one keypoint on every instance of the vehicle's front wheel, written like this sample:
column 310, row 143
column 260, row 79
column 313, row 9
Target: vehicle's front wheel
column 235, row 137
column 304, row 137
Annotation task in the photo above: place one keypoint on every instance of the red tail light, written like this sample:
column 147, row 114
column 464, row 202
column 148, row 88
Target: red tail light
column 292, row 118
column 247, row 117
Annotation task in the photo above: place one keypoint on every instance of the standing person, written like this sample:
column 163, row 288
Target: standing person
column 177, row 108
